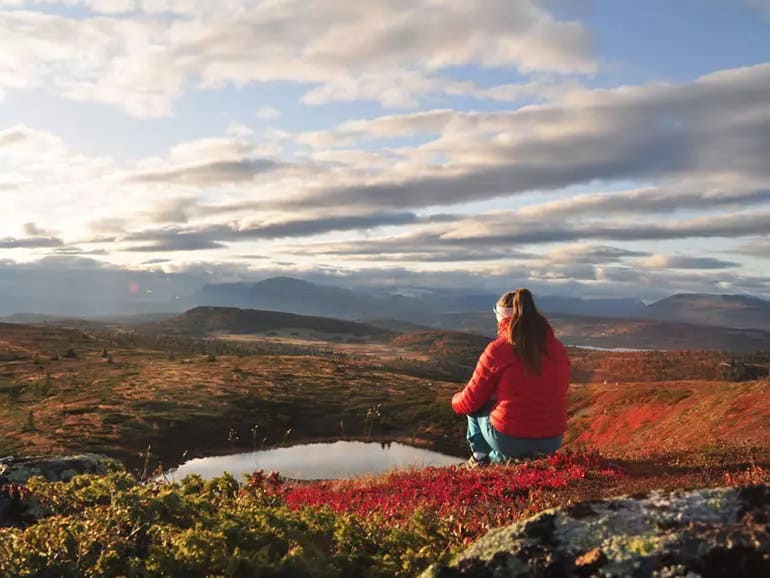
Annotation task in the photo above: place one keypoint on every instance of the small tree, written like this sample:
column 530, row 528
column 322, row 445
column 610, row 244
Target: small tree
column 30, row 425
column 44, row 389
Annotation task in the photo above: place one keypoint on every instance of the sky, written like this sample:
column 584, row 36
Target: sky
column 582, row 147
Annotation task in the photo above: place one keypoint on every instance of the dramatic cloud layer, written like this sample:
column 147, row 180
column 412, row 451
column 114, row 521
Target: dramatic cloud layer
column 518, row 159
column 391, row 51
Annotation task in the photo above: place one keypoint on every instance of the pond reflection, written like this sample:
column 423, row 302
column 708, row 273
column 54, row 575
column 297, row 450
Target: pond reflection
column 317, row 461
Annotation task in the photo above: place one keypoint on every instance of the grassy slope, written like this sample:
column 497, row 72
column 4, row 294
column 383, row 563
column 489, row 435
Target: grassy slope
column 192, row 404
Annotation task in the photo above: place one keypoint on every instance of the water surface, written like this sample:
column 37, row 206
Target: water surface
column 616, row 349
column 317, row 461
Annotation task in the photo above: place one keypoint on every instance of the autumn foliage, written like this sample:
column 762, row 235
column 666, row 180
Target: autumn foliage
column 469, row 501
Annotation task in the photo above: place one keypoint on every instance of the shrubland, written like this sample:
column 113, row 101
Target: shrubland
column 637, row 421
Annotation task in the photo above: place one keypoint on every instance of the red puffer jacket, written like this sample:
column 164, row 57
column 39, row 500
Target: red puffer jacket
column 526, row 405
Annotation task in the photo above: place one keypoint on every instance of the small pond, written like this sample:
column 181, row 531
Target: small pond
column 317, row 461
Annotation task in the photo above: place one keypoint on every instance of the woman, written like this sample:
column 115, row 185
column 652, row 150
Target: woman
column 516, row 399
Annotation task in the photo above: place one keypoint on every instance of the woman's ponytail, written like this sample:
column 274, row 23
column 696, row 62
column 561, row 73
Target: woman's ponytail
column 528, row 329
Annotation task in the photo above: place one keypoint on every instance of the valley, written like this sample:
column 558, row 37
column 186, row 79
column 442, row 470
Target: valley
column 122, row 392
column 224, row 384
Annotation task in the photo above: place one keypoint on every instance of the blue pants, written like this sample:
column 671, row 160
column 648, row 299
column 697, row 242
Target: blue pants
column 484, row 438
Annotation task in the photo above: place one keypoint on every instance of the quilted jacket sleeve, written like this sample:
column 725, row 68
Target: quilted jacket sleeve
column 482, row 385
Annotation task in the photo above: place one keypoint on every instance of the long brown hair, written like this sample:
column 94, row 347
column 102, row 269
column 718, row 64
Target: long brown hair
column 528, row 329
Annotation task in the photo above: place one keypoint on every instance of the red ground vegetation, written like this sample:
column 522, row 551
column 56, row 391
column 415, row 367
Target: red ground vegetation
column 471, row 501
column 668, row 417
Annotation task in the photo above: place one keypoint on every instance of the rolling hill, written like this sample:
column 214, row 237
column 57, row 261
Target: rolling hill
column 213, row 321
column 304, row 298
column 741, row 311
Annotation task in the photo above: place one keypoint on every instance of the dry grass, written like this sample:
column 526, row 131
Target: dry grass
column 186, row 404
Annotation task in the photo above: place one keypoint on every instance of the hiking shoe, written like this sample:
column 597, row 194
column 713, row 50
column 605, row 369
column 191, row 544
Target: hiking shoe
column 474, row 463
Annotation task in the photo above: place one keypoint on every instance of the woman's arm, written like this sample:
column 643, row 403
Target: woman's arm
column 482, row 385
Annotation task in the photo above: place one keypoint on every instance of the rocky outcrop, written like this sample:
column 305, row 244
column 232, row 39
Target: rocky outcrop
column 18, row 470
column 703, row 533
column 16, row 508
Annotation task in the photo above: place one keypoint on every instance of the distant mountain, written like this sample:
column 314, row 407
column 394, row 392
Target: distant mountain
column 302, row 297
column 396, row 325
column 623, row 333
column 212, row 321
column 29, row 318
column 599, row 307
column 412, row 305
column 94, row 321
column 741, row 311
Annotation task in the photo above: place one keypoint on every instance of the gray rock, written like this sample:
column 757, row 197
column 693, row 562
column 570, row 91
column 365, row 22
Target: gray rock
column 20, row 511
column 702, row 533
column 54, row 469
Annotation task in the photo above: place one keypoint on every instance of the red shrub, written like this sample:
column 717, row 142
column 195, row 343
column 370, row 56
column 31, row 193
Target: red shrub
column 471, row 501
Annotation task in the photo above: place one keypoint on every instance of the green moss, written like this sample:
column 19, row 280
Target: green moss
column 644, row 545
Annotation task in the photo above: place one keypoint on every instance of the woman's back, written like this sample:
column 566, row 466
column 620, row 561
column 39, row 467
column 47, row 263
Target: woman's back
column 516, row 400
column 528, row 403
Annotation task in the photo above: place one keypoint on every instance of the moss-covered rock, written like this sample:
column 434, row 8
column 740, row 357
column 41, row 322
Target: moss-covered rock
column 709, row 532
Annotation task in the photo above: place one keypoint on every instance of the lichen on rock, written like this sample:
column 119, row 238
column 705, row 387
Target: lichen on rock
column 707, row 532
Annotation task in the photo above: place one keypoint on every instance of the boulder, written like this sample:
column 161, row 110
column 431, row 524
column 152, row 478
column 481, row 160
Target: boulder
column 54, row 469
column 702, row 533
column 17, row 508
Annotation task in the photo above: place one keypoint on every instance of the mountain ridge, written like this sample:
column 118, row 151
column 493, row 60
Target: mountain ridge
column 206, row 321
column 293, row 295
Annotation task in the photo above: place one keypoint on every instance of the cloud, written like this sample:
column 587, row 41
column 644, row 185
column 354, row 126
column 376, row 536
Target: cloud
column 650, row 200
column 13, row 136
column 169, row 241
column 267, row 113
column 714, row 129
column 32, row 230
column 213, row 236
column 502, row 235
column 496, row 229
column 206, row 162
column 172, row 210
column 72, row 250
column 29, row 242
column 143, row 62
column 118, row 61
column 592, row 254
column 239, row 130
column 759, row 248
column 684, row 262
column 207, row 174
column 35, row 159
